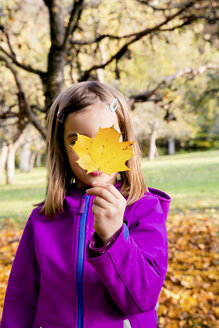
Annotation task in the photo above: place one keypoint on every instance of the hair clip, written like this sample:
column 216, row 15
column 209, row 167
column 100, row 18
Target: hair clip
column 114, row 105
column 60, row 117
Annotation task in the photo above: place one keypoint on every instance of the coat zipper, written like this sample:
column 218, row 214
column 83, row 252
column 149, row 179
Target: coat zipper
column 83, row 210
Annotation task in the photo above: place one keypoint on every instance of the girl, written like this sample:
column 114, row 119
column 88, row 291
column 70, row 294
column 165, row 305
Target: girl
column 95, row 253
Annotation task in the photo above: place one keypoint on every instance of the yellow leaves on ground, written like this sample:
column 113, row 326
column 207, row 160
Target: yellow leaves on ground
column 9, row 239
column 189, row 297
column 104, row 152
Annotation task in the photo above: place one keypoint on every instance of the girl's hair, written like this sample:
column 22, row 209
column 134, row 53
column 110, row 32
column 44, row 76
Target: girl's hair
column 60, row 175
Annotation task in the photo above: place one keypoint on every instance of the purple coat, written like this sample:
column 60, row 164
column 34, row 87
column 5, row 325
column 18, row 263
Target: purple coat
column 56, row 281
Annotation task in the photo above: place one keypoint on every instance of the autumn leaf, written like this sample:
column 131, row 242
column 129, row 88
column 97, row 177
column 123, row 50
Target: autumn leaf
column 189, row 295
column 104, row 152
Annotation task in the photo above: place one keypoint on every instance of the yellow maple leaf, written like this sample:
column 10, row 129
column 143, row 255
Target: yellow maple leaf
column 104, row 152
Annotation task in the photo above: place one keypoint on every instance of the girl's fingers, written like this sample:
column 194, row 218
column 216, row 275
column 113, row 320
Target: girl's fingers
column 101, row 202
column 102, row 193
column 115, row 192
column 109, row 187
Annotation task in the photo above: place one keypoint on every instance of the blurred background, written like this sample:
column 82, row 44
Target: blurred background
column 163, row 55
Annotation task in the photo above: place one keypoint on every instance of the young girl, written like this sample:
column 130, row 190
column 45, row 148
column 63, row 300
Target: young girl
column 94, row 254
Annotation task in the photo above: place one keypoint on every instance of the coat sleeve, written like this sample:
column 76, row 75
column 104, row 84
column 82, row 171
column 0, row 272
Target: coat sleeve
column 133, row 269
column 23, row 285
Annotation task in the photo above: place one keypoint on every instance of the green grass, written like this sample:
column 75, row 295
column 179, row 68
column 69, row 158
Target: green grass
column 192, row 180
column 16, row 201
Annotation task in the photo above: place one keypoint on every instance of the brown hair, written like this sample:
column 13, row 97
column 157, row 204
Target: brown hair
column 60, row 175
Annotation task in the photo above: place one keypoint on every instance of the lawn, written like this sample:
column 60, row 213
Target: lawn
column 17, row 200
column 192, row 180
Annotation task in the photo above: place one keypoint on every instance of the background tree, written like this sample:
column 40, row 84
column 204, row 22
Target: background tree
column 132, row 44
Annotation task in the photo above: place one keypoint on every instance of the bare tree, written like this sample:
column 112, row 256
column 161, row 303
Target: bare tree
column 65, row 48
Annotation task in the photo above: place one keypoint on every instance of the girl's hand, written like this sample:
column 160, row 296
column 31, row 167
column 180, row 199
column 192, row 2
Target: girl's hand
column 108, row 209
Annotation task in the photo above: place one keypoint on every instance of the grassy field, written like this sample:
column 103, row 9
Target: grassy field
column 192, row 180
column 16, row 200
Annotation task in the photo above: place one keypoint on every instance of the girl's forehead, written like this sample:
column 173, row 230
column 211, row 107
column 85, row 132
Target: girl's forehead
column 88, row 120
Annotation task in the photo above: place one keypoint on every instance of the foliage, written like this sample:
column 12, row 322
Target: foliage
column 202, row 97
column 189, row 297
column 138, row 44
column 9, row 240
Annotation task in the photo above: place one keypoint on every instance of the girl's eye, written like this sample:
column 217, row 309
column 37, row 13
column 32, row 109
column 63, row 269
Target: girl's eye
column 73, row 142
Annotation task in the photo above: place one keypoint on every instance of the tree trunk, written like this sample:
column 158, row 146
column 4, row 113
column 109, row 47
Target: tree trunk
column 171, row 145
column 3, row 160
column 25, row 158
column 38, row 159
column 32, row 159
column 152, row 146
column 10, row 163
column 54, row 81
